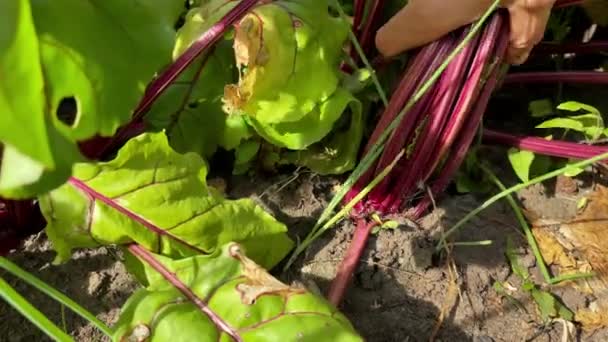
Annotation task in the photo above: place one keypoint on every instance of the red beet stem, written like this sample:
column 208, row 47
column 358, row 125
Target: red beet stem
column 468, row 131
column 367, row 34
column 417, row 70
column 406, row 129
column 470, row 92
column 147, row 257
column 583, row 77
column 422, row 161
column 554, row 148
column 347, row 268
column 359, row 12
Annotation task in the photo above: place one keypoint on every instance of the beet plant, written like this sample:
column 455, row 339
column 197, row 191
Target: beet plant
column 424, row 133
column 117, row 112
column 109, row 120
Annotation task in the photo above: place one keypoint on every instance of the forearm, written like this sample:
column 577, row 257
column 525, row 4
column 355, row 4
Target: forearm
column 433, row 18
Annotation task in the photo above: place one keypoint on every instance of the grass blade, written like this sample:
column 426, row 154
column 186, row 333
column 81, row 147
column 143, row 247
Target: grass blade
column 53, row 293
column 31, row 313
column 520, row 186
column 529, row 236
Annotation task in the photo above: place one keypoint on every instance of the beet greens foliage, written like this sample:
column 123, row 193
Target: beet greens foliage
column 112, row 156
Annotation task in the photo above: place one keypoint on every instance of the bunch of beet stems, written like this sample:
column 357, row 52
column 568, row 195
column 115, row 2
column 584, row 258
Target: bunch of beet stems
column 365, row 29
column 432, row 138
column 19, row 219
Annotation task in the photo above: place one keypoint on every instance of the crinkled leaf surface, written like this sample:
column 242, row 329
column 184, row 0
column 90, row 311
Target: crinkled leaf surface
column 289, row 52
column 312, row 128
column 191, row 109
column 72, row 69
column 240, row 293
column 167, row 189
column 337, row 153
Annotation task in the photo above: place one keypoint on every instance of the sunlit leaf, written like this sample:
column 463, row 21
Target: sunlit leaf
column 521, row 161
column 73, row 69
column 248, row 301
column 168, row 190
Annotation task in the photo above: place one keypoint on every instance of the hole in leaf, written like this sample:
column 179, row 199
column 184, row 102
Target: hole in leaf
column 333, row 12
column 67, row 110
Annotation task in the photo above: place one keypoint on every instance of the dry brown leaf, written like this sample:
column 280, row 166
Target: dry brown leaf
column 592, row 320
column 581, row 245
column 553, row 252
column 588, row 232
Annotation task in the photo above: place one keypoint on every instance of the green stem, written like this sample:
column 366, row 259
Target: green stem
column 523, row 223
column 570, row 277
column 472, row 243
column 361, row 54
column 53, row 293
column 520, row 186
column 31, row 313
column 530, row 236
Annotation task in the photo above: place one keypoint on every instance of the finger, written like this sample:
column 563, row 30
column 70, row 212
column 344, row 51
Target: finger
column 423, row 21
column 528, row 24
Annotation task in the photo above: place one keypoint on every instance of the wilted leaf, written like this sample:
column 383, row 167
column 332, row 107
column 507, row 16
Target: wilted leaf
column 248, row 302
column 552, row 251
column 588, row 233
column 290, row 52
column 586, row 238
column 151, row 182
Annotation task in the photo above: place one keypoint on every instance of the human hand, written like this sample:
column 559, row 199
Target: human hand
column 423, row 21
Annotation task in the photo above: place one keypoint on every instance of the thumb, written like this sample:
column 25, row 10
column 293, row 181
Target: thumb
column 423, row 21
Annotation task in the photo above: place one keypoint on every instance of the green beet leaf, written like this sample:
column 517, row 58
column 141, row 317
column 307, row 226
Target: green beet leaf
column 311, row 128
column 521, row 162
column 245, row 301
column 72, row 69
column 191, row 109
column 159, row 198
column 288, row 54
column 336, row 153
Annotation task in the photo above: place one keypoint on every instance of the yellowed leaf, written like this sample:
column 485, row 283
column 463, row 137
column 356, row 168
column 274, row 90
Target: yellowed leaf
column 588, row 232
column 592, row 320
column 553, row 252
column 258, row 281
